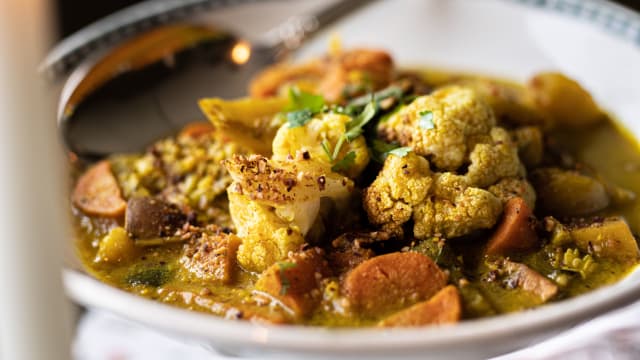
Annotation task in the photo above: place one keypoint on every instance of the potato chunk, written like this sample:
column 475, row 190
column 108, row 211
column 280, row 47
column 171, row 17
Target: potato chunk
column 443, row 308
column 611, row 238
column 568, row 193
column 116, row 247
column 296, row 281
column 568, row 103
column 391, row 281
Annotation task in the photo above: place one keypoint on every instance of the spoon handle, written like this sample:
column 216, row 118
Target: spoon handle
column 289, row 35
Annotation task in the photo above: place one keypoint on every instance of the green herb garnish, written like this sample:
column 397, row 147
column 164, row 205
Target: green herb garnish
column 299, row 117
column 400, row 152
column 380, row 150
column 345, row 163
column 302, row 107
column 426, row 120
column 388, row 92
column 150, row 276
column 325, row 147
column 286, row 284
column 354, row 129
column 299, row 100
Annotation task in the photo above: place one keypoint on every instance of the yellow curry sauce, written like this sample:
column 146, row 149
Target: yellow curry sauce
column 487, row 284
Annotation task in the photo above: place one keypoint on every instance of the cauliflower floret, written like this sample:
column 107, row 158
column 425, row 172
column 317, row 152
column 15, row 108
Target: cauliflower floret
column 403, row 183
column 455, row 209
column 309, row 138
column 508, row 188
column 441, row 125
column 273, row 204
column 440, row 203
column 494, row 159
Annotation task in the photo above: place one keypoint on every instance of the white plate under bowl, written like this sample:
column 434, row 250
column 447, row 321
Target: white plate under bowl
column 593, row 41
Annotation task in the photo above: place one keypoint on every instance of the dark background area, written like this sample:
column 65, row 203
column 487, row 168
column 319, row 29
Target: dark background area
column 74, row 14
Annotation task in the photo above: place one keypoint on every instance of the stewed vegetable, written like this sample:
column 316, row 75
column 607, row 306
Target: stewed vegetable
column 346, row 192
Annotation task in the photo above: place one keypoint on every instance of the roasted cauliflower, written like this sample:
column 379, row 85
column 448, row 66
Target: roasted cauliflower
column 323, row 129
column 442, row 126
column 273, row 204
column 493, row 159
column 439, row 203
column 476, row 168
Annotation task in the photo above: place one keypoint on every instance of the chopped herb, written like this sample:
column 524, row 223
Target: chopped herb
column 302, row 107
column 300, row 100
column 299, row 117
column 400, row 152
column 380, row 150
column 325, row 147
column 286, row 284
column 149, row 276
column 354, row 127
column 388, row 92
column 426, row 120
column 346, row 162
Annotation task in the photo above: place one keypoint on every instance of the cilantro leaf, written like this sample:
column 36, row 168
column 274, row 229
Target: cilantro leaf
column 299, row 117
column 390, row 91
column 345, row 163
column 380, row 150
column 299, row 100
column 286, row 284
column 354, row 127
column 426, row 120
column 400, row 152
column 325, row 147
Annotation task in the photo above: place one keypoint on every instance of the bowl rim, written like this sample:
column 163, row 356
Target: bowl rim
column 86, row 290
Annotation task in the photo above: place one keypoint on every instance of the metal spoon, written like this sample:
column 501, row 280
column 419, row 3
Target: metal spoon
column 104, row 111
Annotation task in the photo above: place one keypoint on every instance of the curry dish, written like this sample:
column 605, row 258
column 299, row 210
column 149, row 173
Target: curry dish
column 346, row 192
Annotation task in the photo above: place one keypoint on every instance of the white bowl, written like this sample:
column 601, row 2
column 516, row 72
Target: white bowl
column 596, row 42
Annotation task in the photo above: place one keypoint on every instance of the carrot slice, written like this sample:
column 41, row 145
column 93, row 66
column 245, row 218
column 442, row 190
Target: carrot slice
column 515, row 232
column 443, row 308
column 391, row 281
column 97, row 192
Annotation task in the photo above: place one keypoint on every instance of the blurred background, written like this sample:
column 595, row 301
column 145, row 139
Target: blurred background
column 74, row 14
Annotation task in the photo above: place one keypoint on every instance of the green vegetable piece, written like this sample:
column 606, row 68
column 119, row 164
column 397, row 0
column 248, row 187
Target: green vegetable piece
column 380, row 150
column 150, row 276
column 300, row 100
column 572, row 262
column 346, row 162
column 286, row 284
column 355, row 126
column 392, row 91
column 299, row 118
column 426, row 120
column 325, row 147
column 400, row 152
